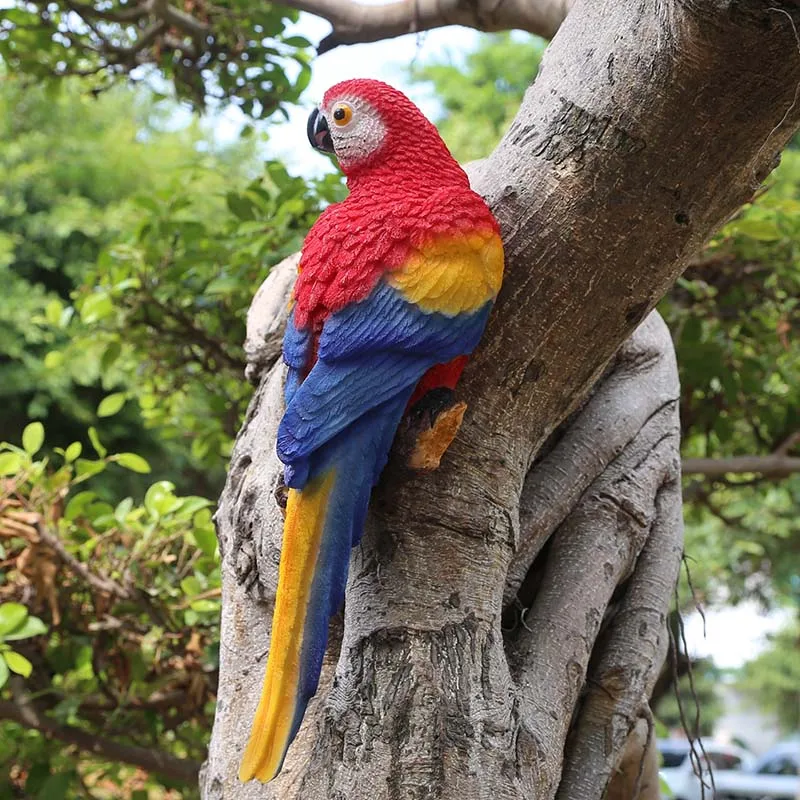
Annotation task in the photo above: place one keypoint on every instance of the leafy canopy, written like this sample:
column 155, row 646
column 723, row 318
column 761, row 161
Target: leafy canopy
column 230, row 51
column 131, row 254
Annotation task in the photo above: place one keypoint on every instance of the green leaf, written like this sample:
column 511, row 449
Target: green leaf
column 123, row 509
column 133, row 462
column 72, row 452
column 297, row 41
column 18, row 663
column 111, row 405
column 55, row 787
column 10, row 463
column 223, row 285
column 86, row 469
column 112, row 353
column 303, row 79
column 753, row 548
column 32, row 626
column 191, row 586
column 190, row 505
column 12, row 615
column 95, row 307
column 3, row 672
column 52, row 311
column 54, row 359
column 205, row 606
column 77, row 505
column 762, row 230
column 206, row 540
column 33, row 438
column 37, row 775
column 95, row 440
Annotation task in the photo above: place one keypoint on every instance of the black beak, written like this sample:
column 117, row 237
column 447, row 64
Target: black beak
column 319, row 133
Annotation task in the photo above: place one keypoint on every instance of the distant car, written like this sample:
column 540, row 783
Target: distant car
column 678, row 767
column 774, row 776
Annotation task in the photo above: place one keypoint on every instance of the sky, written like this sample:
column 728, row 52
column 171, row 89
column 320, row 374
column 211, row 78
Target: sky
column 731, row 635
column 388, row 61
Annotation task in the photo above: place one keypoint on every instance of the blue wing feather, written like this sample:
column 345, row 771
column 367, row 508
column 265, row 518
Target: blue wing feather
column 387, row 321
column 296, row 356
column 338, row 426
column 369, row 353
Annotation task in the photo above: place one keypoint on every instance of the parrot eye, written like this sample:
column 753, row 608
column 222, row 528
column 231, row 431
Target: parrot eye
column 342, row 114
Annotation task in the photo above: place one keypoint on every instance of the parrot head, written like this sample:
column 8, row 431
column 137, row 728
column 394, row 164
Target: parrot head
column 371, row 127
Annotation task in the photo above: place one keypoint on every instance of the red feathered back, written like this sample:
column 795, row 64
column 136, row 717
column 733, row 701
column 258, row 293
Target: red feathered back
column 412, row 191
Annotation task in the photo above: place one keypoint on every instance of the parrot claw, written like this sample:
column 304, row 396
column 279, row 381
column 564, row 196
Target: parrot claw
column 282, row 497
column 432, row 443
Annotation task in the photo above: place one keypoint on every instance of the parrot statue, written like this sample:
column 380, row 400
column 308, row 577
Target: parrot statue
column 394, row 288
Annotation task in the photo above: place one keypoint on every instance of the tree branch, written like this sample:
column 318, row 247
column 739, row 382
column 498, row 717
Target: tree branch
column 22, row 711
column 774, row 466
column 636, row 775
column 266, row 318
column 642, row 380
column 593, row 551
column 788, row 444
column 100, row 582
column 356, row 22
column 180, row 19
column 630, row 657
column 645, row 129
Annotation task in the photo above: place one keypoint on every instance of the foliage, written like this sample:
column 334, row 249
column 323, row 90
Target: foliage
column 132, row 594
column 131, row 256
column 481, row 95
column 232, row 51
column 162, row 310
column 734, row 317
column 15, row 624
column 72, row 167
column 772, row 679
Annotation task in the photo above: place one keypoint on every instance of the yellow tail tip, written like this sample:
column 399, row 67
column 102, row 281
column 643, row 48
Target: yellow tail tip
column 271, row 733
column 253, row 766
column 268, row 742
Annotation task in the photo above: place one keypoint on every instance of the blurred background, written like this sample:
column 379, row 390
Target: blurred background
column 146, row 191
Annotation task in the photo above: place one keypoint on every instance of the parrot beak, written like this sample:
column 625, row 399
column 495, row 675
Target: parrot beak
column 319, row 133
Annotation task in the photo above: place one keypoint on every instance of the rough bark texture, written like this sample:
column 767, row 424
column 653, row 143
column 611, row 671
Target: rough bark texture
column 648, row 125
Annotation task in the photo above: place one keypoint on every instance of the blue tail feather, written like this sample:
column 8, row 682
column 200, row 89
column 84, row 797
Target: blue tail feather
column 358, row 455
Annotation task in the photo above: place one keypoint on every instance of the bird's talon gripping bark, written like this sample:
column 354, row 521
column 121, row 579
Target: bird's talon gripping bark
column 433, row 443
column 282, row 496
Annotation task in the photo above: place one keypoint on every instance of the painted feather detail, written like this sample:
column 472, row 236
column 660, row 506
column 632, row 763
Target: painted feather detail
column 394, row 289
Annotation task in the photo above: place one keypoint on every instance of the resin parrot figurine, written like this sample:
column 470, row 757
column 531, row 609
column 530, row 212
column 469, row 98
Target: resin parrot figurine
column 394, row 288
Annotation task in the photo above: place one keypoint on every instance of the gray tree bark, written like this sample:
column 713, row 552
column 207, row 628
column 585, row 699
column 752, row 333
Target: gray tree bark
column 505, row 614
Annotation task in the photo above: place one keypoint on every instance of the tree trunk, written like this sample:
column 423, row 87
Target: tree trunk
column 505, row 615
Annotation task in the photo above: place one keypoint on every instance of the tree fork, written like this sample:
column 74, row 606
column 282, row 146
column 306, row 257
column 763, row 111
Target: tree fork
column 649, row 124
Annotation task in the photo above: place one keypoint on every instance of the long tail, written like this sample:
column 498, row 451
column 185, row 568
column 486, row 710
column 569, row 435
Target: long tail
column 323, row 521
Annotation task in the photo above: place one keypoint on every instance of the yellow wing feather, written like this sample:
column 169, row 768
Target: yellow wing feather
column 453, row 274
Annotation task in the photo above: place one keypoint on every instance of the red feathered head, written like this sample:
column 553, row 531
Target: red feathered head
column 374, row 129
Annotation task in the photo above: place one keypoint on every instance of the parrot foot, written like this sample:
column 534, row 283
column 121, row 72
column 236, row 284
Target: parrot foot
column 282, row 497
column 445, row 421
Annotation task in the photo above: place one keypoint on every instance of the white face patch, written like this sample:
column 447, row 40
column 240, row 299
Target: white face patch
column 356, row 129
